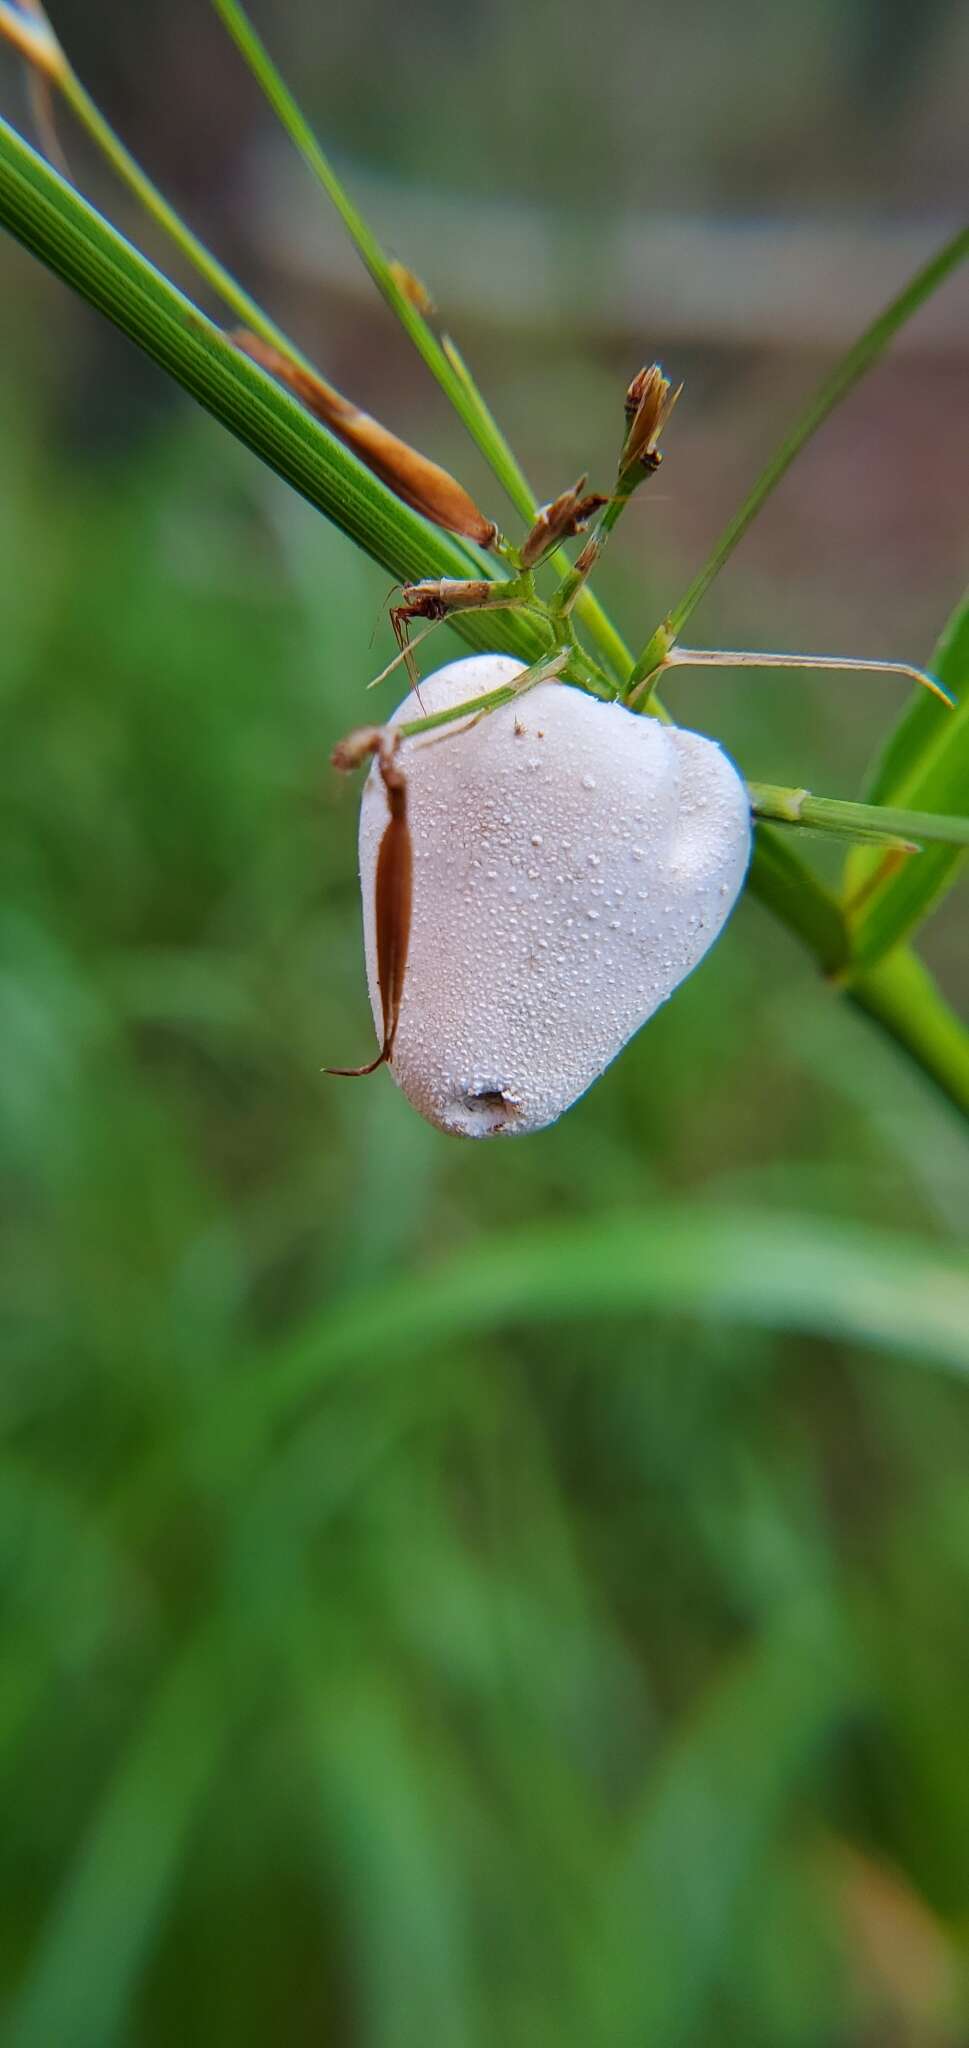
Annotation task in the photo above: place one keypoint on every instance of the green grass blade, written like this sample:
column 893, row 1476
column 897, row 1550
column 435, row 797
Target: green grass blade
column 458, row 387
column 60, row 75
column 443, row 359
column 923, row 734
column 57, row 224
column 794, row 1273
column 796, row 896
column 901, row 994
column 683, row 1881
column 835, row 387
column 926, row 762
column 108, row 1915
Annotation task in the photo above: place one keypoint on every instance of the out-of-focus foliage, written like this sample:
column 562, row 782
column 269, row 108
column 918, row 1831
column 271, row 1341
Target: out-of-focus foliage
column 459, row 1594
column 391, row 1657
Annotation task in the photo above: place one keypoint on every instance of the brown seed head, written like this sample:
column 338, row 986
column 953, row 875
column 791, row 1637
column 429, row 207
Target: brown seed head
column 566, row 515
column 412, row 286
column 649, row 402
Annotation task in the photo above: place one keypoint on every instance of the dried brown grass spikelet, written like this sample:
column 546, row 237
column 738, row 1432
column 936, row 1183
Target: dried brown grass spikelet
column 566, row 515
column 412, row 286
column 420, row 483
column 27, row 29
column 649, row 402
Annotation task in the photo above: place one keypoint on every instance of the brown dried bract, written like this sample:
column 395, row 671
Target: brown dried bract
column 566, row 515
column 29, row 32
column 394, row 881
column 412, row 287
column 357, row 746
column 420, row 483
column 585, row 561
column 649, row 402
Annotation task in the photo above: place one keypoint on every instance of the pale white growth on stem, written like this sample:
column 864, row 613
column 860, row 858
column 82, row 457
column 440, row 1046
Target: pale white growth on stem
column 572, row 864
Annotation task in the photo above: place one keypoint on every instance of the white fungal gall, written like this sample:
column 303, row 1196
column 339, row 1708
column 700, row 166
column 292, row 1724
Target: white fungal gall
column 572, row 863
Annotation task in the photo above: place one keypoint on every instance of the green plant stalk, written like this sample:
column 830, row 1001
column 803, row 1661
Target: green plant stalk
column 59, row 73
column 573, row 584
column 834, row 388
column 47, row 59
column 873, row 822
column 491, row 700
column 57, row 225
column 444, row 362
column 901, row 996
column 461, row 392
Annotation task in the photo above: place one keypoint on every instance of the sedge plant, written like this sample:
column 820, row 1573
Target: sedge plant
column 909, row 833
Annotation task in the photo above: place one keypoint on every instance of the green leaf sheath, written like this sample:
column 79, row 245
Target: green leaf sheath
column 883, row 824
column 926, row 762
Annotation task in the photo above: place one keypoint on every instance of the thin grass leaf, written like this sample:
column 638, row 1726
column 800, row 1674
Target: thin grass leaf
column 777, row 1272
column 713, row 1812
column 442, row 357
column 57, row 224
column 386, row 275
column 880, row 1291
column 834, row 388
column 108, row 1915
column 796, row 896
column 925, row 763
column 901, row 993
column 48, row 63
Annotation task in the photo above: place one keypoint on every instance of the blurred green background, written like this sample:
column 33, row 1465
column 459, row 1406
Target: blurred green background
column 473, row 1595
